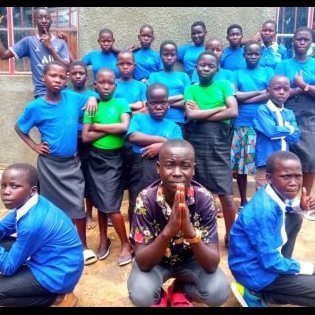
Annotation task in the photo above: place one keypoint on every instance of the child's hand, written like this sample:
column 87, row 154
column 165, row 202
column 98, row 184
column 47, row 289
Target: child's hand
column 307, row 202
column 151, row 150
column 63, row 36
column 45, row 39
column 91, row 106
column 191, row 105
column 298, row 80
column 1, row 18
column 42, row 148
column 134, row 48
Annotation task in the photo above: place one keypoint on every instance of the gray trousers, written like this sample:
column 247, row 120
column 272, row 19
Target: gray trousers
column 291, row 289
column 144, row 288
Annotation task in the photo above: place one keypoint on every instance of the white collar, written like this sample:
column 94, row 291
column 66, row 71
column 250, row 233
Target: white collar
column 273, row 107
column 274, row 46
column 20, row 212
column 276, row 198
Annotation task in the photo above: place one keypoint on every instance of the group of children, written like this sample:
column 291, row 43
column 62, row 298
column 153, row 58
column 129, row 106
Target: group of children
column 228, row 103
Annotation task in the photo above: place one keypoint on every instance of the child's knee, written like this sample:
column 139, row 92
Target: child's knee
column 142, row 295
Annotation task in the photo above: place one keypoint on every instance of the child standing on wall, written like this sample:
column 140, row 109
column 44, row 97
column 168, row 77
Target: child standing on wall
column 105, row 164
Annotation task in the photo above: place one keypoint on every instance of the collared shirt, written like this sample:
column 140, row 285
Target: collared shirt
column 47, row 242
column 152, row 213
column 256, row 240
column 275, row 128
column 272, row 55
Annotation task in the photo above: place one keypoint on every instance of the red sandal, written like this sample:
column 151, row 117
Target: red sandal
column 178, row 299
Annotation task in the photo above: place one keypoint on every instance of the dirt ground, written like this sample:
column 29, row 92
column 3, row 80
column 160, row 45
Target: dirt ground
column 105, row 283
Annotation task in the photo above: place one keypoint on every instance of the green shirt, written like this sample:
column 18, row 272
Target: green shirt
column 210, row 97
column 109, row 112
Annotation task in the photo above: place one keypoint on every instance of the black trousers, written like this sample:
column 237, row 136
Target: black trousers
column 291, row 289
column 22, row 289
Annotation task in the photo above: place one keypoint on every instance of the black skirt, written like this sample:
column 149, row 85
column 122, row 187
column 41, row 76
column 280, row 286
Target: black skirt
column 212, row 144
column 303, row 107
column 105, row 179
column 61, row 181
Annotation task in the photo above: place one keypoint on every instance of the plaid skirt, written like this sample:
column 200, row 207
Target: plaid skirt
column 212, row 144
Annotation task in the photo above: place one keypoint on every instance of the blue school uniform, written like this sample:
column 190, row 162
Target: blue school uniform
column 275, row 128
column 98, row 59
column 272, row 55
column 233, row 59
column 57, row 123
column 176, row 82
column 146, row 124
column 147, row 60
column 188, row 55
column 32, row 47
column 132, row 91
column 222, row 74
column 250, row 80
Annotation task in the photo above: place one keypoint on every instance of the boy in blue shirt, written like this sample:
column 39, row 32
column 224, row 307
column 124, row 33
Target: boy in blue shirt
column 45, row 259
column 275, row 126
column 233, row 56
column 56, row 116
column 40, row 48
column 106, row 56
column 147, row 133
column 263, row 236
column 147, row 59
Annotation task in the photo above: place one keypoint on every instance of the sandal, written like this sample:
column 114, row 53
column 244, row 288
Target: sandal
column 89, row 257
column 177, row 299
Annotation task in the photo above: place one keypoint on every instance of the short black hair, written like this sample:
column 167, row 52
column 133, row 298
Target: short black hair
column 29, row 170
column 303, row 29
column 54, row 63
column 279, row 155
column 77, row 63
column 146, row 26
column 210, row 53
column 102, row 70
column 199, row 23
column 233, row 26
column 126, row 51
column 251, row 42
column 156, row 86
column 176, row 143
column 41, row 8
column 278, row 76
column 271, row 22
column 168, row 42
column 105, row 30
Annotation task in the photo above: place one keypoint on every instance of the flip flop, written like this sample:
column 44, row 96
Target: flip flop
column 124, row 260
column 309, row 215
column 89, row 257
column 177, row 299
column 163, row 300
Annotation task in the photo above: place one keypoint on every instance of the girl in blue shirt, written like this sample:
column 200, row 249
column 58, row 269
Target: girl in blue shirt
column 252, row 84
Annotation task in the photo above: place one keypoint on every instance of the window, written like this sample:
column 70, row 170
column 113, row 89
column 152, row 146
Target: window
column 18, row 23
column 289, row 19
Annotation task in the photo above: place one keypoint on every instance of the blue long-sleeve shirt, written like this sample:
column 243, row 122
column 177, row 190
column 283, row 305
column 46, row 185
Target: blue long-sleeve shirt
column 256, row 240
column 47, row 242
column 276, row 128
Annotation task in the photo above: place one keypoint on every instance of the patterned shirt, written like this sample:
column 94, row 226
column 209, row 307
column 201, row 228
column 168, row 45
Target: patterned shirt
column 152, row 213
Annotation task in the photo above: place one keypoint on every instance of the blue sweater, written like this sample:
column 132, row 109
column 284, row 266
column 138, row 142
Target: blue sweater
column 275, row 129
column 47, row 242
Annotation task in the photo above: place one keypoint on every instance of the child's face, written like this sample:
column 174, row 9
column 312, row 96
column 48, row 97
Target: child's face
column 198, row 34
column 125, row 65
column 146, row 37
column 15, row 188
column 235, row 37
column 176, row 166
column 55, row 78
column 169, row 55
column 279, row 90
column 252, row 55
column 106, row 42
column 206, row 68
column 268, row 33
column 77, row 76
column 215, row 46
column 302, row 42
column 105, row 84
column 43, row 20
column 286, row 179
column 157, row 103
